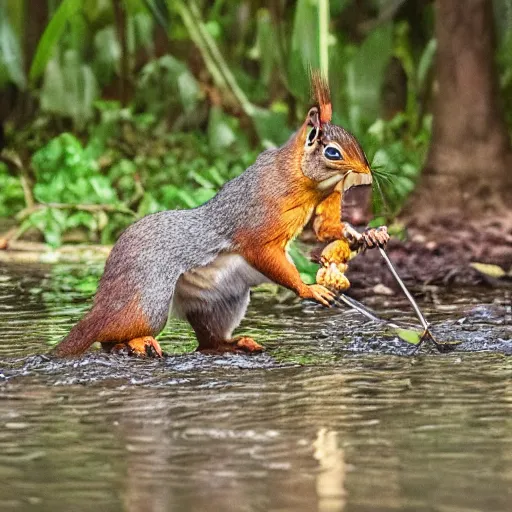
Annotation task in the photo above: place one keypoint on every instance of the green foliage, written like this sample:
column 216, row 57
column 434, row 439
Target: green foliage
column 128, row 169
column 11, row 193
column 396, row 158
column 11, row 58
column 232, row 78
column 363, row 75
column 165, row 83
column 69, row 88
column 306, row 268
column 503, row 19
column 66, row 172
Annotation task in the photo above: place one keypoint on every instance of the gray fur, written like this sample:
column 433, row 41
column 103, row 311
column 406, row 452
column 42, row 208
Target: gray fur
column 154, row 252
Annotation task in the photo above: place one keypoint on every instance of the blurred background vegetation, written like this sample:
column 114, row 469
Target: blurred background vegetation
column 113, row 109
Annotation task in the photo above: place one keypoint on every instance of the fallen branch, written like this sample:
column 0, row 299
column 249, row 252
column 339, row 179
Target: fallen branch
column 23, row 252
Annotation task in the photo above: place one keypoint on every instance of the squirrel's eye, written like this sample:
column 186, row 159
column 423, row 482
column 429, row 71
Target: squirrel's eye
column 332, row 153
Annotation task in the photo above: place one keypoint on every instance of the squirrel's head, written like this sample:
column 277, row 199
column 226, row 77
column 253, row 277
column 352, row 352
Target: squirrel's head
column 331, row 154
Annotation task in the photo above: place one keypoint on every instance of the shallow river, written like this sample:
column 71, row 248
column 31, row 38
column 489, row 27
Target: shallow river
column 336, row 416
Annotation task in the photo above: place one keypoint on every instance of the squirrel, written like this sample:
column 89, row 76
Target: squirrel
column 200, row 264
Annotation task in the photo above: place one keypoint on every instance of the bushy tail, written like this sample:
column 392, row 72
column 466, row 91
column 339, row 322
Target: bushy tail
column 80, row 338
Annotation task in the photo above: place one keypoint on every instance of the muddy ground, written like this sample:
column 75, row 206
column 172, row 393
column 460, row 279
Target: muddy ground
column 448, row 252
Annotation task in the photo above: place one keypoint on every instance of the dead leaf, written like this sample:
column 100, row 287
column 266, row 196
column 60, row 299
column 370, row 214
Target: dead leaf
column 489, row 269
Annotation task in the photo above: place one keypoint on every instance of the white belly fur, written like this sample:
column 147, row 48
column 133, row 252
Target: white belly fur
column 229, row 274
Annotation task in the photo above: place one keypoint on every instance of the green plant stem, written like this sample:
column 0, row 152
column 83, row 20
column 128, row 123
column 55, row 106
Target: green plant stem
column 212, row 55
column 13, row 161
column 196, row 37
column 410, row 298
column 120, row 22
column 323, row 36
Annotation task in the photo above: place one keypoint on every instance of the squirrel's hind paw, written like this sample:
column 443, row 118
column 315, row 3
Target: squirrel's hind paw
column 145, row 346
column 240, row 344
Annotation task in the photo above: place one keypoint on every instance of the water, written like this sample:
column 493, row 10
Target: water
column 335, row 416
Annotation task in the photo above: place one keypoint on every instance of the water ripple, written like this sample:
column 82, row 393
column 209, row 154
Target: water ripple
column 335, row 416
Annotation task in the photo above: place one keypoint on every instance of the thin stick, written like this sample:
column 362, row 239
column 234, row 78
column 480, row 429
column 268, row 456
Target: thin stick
column 354, row 304
column 419, row 314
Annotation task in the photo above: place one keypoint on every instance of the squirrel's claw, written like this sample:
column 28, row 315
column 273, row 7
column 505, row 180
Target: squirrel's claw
column 321, row 294
column 378, row 237
column 241, row 344
column 368, row 239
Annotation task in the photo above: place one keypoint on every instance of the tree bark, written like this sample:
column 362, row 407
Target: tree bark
column 469, row 164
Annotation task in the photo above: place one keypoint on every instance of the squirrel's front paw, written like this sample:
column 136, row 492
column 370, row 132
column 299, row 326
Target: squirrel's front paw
column 368, row 239
column 319, row 293
column 333, row 277
column 378, row 237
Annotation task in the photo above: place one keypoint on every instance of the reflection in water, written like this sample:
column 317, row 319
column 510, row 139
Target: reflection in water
column 354, row 428
column 330, row 480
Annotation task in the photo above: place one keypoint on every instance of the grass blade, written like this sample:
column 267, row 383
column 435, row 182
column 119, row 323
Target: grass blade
column 51, row 35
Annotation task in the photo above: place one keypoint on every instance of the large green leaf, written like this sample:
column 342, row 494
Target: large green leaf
column 51, row 36
column 364, row 75
column 11, row 57
column 69, row 88
column 271, row 126
column 426, row 62
column 304, row 50
column 265, row 46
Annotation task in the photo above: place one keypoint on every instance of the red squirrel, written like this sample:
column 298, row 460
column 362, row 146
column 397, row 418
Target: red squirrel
column 200, row 264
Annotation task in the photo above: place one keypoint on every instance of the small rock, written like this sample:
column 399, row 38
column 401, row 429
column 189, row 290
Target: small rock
column 382, row 289
column 419, row 238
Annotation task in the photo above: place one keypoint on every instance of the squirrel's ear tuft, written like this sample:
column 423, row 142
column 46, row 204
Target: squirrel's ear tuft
column 322, row 95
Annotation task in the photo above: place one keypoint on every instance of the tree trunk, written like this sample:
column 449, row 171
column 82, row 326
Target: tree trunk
column 469, row 165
